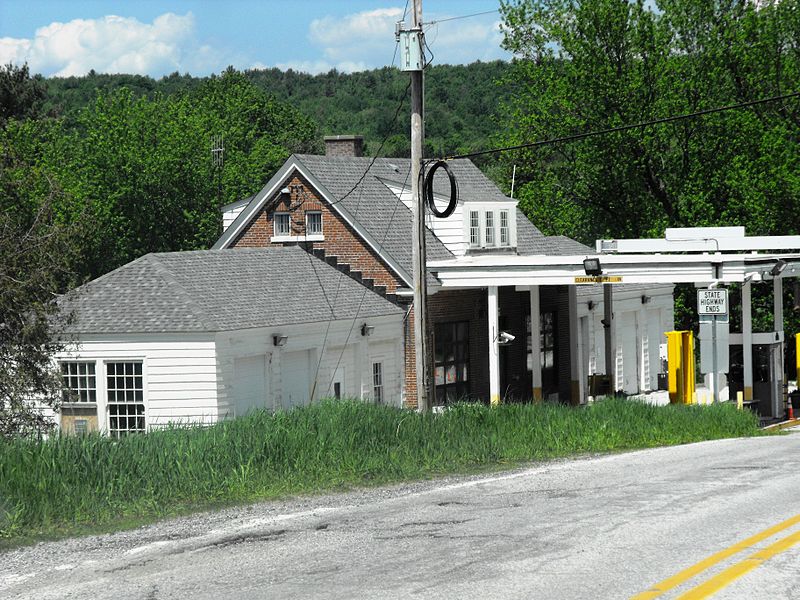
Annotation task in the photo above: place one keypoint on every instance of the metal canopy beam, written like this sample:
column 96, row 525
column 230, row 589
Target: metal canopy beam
column 484, row 271
column 702, row 239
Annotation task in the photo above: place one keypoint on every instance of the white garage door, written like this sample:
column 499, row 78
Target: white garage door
column 250, row 387
column 296, row 378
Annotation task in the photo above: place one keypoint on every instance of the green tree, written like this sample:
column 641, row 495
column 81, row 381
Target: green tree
column 36, row 257
column 138, row 168
column 596, row 64
column 21, row 96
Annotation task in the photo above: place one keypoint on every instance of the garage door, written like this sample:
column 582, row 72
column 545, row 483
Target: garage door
column 250, row 387
column 296, row 379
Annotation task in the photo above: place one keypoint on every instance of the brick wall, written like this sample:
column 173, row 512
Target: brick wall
column 340, row 239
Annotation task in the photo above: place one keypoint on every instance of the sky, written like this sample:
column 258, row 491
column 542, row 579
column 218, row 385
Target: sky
column 200, row 37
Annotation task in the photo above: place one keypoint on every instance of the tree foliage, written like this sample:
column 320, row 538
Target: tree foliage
column 460, row 101
column 139, row 168
column 36, row 258
column 597, row 64
column 21, row 96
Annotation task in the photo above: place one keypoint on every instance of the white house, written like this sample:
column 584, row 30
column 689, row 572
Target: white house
column 195, row 337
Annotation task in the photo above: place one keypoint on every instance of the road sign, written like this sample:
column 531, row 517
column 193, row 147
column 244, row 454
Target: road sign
column 712, row 302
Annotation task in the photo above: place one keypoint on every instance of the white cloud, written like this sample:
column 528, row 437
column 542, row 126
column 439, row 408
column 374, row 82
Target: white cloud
column 465, row 41
column 356, row 42
column 365, row 40
column 111, row 44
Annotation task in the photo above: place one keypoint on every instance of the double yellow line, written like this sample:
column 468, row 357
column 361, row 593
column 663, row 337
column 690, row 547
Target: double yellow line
column 726, row 577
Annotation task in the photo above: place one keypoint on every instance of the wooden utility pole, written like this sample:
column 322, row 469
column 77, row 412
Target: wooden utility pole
column 418, row 208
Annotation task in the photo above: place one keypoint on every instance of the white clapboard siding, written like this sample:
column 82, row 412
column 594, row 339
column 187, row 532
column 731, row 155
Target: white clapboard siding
column 386, row 353
column 450, row 230
column 229, row 216
column 180, row 374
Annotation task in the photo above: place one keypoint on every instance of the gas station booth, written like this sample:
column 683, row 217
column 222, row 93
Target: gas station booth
column 710, row 258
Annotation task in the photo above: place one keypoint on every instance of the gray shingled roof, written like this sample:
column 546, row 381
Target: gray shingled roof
column 372, row 203
column 220, row 290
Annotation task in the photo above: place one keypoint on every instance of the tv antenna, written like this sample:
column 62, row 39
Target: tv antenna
column 218, row 161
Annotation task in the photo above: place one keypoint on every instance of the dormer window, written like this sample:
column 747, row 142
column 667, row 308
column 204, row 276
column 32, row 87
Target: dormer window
column 488, row 226
column 505, row 240
column 474, row 229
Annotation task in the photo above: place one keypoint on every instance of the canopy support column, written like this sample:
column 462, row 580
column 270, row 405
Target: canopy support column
column 494, row 349
column 536, row 351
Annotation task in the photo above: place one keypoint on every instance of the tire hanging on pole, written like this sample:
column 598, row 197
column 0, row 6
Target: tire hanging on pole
column 428, row 190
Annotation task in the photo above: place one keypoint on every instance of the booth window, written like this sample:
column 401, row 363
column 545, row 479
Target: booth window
column 451, row 368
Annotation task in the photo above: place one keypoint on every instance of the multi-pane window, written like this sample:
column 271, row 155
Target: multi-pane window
column 504, row 237
column 451, row 355
column 282, row 224
column 125, row 398
column 489, row 228
column 474, row 229
column 80, row 383
column 377, row 382
column 314, row 223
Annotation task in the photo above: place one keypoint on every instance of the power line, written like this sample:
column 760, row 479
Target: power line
column 437, row 21
column 378, row 151
column 580, row 136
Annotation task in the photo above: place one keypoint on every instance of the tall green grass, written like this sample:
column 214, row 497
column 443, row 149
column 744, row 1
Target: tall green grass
column 67, row 483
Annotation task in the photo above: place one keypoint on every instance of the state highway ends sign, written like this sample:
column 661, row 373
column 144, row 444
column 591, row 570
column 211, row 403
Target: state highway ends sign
column 712, row 302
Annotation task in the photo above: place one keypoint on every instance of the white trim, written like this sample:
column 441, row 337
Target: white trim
column 491, row 269
column 297, row 238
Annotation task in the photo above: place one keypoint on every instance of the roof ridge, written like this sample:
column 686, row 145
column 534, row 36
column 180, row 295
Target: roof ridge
column 205, row 319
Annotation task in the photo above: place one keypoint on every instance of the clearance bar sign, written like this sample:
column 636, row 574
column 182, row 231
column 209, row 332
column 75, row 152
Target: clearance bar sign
column 599, row 279
column 712, row 302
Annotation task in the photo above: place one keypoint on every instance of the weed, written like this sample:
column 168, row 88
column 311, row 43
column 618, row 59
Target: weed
column 67, row 483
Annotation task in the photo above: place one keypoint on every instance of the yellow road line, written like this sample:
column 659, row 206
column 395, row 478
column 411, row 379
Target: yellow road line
column 729, row 575
column 672, row 582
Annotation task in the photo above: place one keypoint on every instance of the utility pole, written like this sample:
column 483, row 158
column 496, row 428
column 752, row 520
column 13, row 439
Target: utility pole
column 411, row 60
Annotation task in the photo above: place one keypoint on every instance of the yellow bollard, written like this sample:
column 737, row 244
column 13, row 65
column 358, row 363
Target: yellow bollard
column 740, row 400
column 680, row 358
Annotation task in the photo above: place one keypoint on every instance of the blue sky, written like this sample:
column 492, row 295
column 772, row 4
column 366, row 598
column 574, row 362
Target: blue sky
column 158, row 37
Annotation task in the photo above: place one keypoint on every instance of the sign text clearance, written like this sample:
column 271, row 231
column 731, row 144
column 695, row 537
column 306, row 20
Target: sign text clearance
column 599, row 279
column 712, row 302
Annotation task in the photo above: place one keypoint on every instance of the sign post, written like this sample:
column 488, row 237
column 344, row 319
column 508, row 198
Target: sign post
column 712, row 307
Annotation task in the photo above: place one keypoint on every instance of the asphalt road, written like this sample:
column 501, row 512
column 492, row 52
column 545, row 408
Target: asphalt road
column 601, row 527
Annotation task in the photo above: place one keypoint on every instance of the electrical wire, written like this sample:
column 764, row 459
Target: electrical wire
column 580, row 136
column 382, row 144
column 437, row 21
column 364, row 295
column 355, row 213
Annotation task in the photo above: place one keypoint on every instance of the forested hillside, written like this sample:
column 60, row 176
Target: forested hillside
column 460, row 101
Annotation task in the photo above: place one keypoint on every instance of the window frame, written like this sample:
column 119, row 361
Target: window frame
column 451, row 338
column 313, row 213
column 505, row 237
column 474, row 228
column 377, row 382
column 127, row 387
column 91, row 392
column 280, row 217
column 490, row 238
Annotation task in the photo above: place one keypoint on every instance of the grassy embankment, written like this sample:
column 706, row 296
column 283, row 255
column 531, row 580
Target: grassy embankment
column 74, row 484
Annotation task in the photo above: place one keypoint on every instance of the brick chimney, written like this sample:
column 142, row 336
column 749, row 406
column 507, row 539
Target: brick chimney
column 343, row 145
